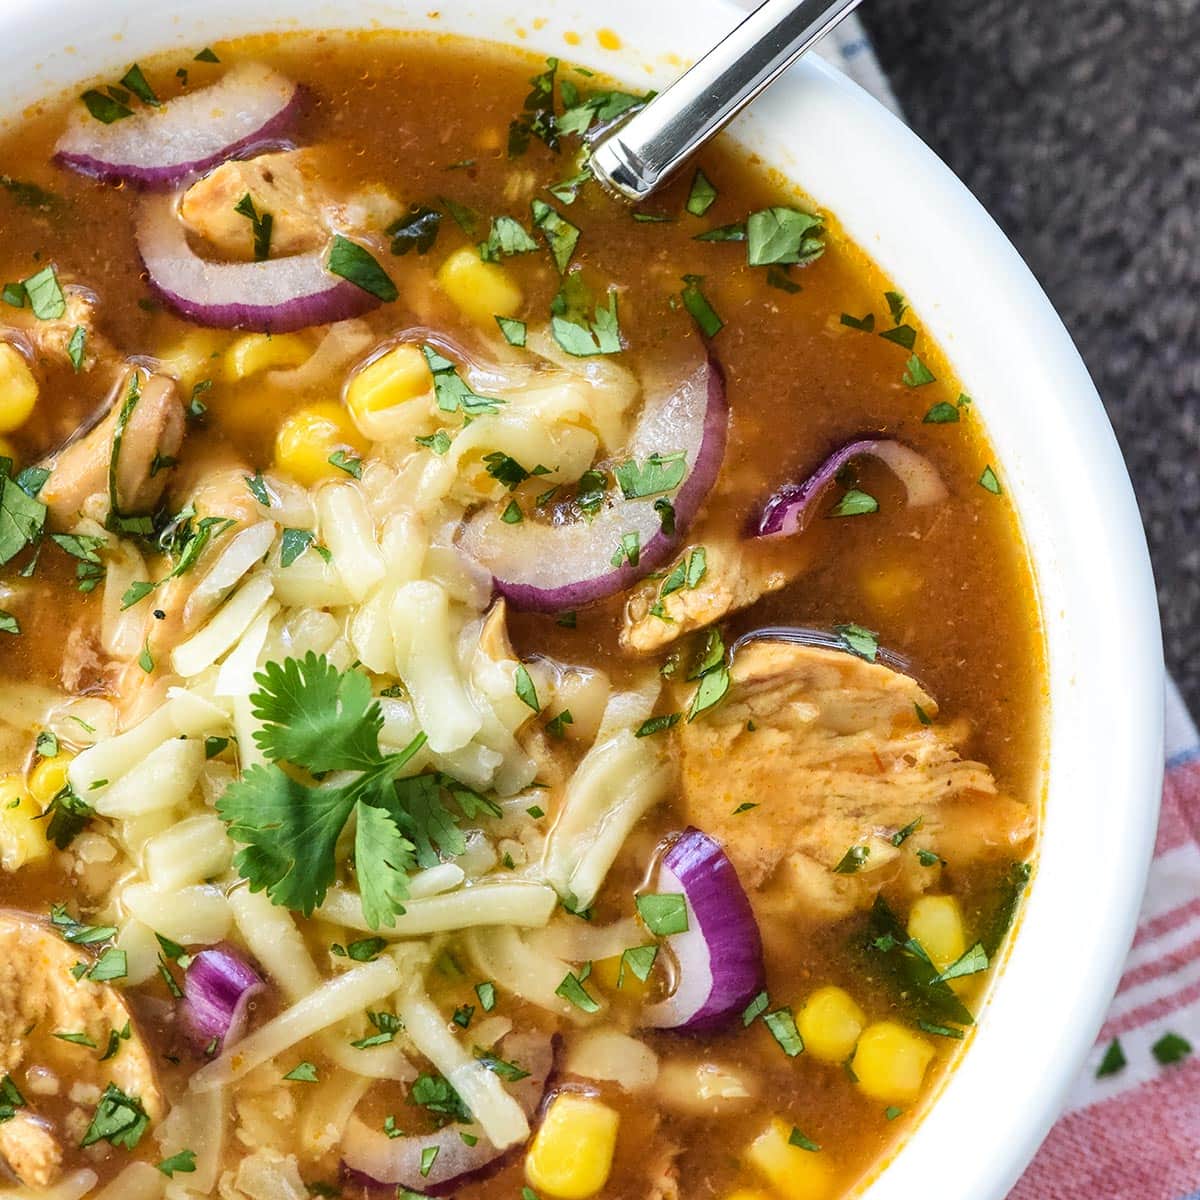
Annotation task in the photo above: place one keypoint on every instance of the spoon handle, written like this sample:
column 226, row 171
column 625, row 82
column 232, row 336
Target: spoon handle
column 639, row 155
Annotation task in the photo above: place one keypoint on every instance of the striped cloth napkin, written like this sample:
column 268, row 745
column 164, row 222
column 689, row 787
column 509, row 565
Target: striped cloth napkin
column 1131, row 1129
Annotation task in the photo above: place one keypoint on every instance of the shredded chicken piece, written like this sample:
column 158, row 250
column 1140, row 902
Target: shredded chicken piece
column 153, row 432
column 284, row 185
column 833, row 753
column 38, row 992
column 51, row 339
column 29, row 1147
column 736, row 574
column 664, row 1173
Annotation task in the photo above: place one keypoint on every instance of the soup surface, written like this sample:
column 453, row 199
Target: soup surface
column 503, row 694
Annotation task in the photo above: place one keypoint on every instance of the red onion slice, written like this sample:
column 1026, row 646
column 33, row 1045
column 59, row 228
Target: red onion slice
column 548, row 568
column 719, row 959
column 276, row 296
column 789, row 510
column 372, row 1159
column 217, row 991
column 158, row 148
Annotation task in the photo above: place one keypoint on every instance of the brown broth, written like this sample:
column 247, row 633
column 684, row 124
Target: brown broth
column 948, row 588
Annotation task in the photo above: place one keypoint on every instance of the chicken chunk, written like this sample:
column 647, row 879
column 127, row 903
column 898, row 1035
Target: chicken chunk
column 39, row 993
column 833, row 753
column 734, row 575
column 153, row 432
column 283, row 185
column 51, row 338
column 30, row 1149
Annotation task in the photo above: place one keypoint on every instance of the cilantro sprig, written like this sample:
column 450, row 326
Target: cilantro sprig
column 315, row 720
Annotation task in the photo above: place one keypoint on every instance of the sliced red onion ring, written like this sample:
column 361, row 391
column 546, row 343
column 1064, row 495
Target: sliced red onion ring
column 791, row 507
column 551, row 567
column 158, row 148
column 719, row 959
column 372, row 1159
column 276, row 296
column 217, row 991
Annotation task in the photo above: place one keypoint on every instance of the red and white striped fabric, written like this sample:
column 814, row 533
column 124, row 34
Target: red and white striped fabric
column 1134, row 1134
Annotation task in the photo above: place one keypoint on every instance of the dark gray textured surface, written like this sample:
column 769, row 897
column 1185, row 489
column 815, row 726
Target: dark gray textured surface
column 1077, row 123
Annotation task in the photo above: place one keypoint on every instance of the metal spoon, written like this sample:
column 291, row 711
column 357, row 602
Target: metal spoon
column 636, row 158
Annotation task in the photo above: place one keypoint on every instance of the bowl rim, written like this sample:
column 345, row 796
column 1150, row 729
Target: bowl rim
column 1059, row 462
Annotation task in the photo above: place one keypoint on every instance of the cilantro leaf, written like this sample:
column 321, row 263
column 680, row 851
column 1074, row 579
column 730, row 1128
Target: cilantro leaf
column 783, row 235
column 357, row 265
column 316, row 716
column 289, row 833
column 383, row 857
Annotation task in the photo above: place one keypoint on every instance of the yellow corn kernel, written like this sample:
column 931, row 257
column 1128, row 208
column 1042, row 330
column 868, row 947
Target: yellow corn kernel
column 607, row 973
column 889, row 587
column 195, row 358
column 572, row 1151
column 258, row 352
column 49, row 778
column 18, row 389
column 936, row 922
column 310, row 436
column 481, row 289
column 399, row 375
column 22, row 833
column 830, row 1023
column 748, row 1194
column 890, row 1062
column 792, row 1172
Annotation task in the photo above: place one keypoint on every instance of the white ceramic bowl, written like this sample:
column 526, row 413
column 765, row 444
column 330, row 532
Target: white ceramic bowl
column 1058, row 460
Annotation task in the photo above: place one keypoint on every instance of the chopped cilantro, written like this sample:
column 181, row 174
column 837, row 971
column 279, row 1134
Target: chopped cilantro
column 657, row 724
column 853, row 860
column 417, row 230
column 303, row 1072
column 659, row 473
column 702, row 195
column 782, row 1025
column 783, row 235
column 561, row 236
column 866, row 324
column 855, row 503
column 755, row 1009
column 526, row 692
column 507, row 236
column 989, row 482
column 183, row 1163
column 639, row 960
column 663, row 913
column 45, row 295
column 119, row 1119
column 261, row 225
column 357, row 265
column 348, row 462
column 514, row 331
column 858, row 640
column 1113, row 1060
column 916, row 373
column 556, row 726
column 572, row 990
column 1170, row 1049
column 697, row 304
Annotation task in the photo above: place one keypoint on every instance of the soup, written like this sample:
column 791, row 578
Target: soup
column 504, row 694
